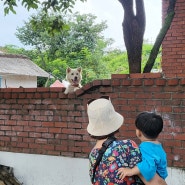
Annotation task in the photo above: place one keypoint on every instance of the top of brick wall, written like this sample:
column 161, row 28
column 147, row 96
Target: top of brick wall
column 137, row 79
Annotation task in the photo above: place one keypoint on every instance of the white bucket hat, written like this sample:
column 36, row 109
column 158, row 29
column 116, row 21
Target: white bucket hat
column 103, row 119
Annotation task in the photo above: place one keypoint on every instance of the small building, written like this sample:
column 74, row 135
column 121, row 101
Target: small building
column 19, row 71
column 57, row 83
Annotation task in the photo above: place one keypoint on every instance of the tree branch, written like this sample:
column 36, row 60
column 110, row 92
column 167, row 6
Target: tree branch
column 160, row 37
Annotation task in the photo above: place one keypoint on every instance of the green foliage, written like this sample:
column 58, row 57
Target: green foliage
column 46, row 6
column 117, row 62
column 80, row 43
column 51, row 24
column 49, row 5
column 59, row 5
column 96, row 65
column 49, row 33
column 146, row 54
column 31, row 54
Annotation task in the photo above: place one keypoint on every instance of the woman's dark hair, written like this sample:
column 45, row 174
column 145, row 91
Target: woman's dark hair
column 150, row 124
column 105, row 136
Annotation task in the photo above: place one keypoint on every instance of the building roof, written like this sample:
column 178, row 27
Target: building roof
column 11, row 64
column 57, row 83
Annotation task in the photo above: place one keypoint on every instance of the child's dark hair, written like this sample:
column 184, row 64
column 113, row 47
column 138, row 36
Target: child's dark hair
column 150, row 124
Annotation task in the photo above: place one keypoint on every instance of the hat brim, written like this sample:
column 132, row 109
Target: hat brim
column 114, row 124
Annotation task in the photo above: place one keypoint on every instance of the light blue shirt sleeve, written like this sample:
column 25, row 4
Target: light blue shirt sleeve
column 147, row 168
column 153, row 161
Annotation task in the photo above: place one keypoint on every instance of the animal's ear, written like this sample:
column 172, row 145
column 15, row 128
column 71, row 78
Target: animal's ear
column 68, row 70
column 79, row 69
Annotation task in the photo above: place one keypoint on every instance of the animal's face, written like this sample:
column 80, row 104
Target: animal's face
column 74, row 76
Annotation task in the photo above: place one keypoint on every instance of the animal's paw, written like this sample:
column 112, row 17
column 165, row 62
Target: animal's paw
column 76, row 88
column 66, row 91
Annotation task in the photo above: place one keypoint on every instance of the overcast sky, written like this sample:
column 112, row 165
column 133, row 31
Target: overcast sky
column 110, row 10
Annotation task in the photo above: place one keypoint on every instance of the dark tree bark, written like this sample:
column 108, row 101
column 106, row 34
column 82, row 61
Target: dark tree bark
column 7, row 176
column 160, row 37
column 133, row 32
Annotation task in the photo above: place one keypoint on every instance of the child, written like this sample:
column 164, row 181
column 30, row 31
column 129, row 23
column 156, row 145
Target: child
column 148, row 127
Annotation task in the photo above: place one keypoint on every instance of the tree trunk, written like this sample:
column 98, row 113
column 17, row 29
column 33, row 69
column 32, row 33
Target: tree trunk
column 7, row 177
column 133, row 32
column 160, row 37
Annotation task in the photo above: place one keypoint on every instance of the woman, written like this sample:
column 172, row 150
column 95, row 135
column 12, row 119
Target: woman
column 104, row 123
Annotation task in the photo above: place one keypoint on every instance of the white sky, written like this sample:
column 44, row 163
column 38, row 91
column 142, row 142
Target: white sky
column 110, row 10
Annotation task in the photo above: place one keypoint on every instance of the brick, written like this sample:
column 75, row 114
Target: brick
column 126, row 82
column 4, row 138
column 5, row 128
column 180, row 137
column 22, row 95
column 15, row 95
column 22, row 145
column 34, row 134
column 40, row 118
column 48, row 135
column 42, row 89
column 38, row 95
column 172, row 82
column 115, row 82
column 55, row 130
column 87, row 86
column 22, row 134
column 17, row 128
column 60, row 124
column 105, row 89
column 7, row 95
column 29, row 95
column 41, row 129
column 10, row 122
column 137, row 82
column 148, row 82
column 75, row 137
column 46, row 95
column 41, row 141
column 106, row 82
column 119, row 76
column 160, row 82
column 97, row 82
column 48, row 124
column 34, row 145
column 68, row 131
column 54, row 95
column 171, row 143
column 182, row 81
column 145, row 75
column 28, row 90
column 56, row 89
column 48, row 147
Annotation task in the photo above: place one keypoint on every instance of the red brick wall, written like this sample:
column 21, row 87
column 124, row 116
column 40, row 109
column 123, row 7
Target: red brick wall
column 173, row 47
column 45, row 121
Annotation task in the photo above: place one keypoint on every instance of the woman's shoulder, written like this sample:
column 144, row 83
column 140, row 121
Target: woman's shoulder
column 126, row 142
column 122, row 145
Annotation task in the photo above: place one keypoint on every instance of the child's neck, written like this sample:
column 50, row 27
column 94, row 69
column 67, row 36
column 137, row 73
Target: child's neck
column 151, row 140
column 144, row 139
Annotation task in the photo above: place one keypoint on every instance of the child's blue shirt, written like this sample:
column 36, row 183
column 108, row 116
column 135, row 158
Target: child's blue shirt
column 153, row 160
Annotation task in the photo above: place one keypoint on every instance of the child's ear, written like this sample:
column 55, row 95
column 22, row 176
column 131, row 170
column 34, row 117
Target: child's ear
column 138, row 133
